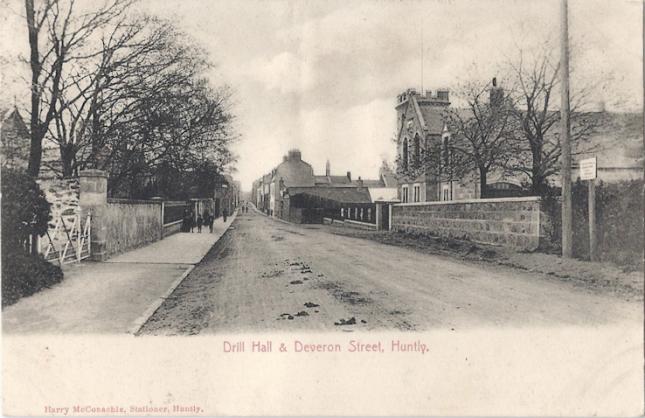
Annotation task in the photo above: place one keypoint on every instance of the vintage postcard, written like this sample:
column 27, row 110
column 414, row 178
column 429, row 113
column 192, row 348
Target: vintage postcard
column 327, row 208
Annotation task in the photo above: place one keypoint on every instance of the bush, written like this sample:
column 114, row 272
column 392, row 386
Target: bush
column 24, row 274
column 25, row 212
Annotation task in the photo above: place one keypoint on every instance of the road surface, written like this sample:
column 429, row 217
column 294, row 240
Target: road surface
column 266, row 275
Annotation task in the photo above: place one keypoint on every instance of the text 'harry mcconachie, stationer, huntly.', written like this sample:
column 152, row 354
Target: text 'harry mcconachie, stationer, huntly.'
column 352, row 346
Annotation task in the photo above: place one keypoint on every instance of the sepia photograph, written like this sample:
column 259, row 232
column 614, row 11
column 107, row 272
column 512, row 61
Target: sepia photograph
column 331, row 208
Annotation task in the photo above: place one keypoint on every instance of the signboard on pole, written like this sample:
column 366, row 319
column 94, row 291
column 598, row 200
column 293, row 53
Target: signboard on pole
column 588, row 169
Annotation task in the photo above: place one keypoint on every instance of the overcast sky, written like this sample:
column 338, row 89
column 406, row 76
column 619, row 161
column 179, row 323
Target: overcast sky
column 323, row 76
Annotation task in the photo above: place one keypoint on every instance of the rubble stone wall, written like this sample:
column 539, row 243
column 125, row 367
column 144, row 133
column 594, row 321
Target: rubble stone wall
column 63, row 195
column 513, row 222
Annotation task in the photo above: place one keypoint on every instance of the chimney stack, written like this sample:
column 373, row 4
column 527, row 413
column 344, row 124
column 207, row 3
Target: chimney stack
column 349, row 175
column 360, row 181
column 327, row 169
column 294, row 154
column 496, row 94
column 443, row 95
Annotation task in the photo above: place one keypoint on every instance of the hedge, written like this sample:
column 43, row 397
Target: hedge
column 619, row 222
column 25, row 274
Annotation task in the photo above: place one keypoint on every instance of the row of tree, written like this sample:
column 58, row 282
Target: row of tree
column 513, row 131
column 125, row 93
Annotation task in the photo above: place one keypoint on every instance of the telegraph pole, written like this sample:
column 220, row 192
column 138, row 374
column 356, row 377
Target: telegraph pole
column 565, row 125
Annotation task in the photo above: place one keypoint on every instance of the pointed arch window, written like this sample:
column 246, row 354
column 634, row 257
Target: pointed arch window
column 417, row 150
column 405, row 155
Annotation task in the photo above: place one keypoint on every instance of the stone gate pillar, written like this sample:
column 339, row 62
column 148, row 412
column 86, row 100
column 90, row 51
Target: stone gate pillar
column 92, row 199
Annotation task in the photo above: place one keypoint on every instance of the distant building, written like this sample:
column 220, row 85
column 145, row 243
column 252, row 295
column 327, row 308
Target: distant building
column 274, row 192
column 14, row 140
column 226, row 195
column 617, row 142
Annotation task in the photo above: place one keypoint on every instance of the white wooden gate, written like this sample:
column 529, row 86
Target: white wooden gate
column 67, row 244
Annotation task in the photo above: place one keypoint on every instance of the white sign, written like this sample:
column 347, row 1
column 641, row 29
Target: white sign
column 588, row 169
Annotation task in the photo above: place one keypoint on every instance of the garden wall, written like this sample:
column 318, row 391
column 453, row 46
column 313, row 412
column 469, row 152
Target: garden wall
column 128, row 224
column 519, row 223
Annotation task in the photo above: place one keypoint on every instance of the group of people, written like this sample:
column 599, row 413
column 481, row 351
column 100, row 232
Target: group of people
column 190, row 222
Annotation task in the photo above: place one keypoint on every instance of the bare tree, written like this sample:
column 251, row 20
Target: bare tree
column 481, row 133
column 56, row 32
column 537, row 118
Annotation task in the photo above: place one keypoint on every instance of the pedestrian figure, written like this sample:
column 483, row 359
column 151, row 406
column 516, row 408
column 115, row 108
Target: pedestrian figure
column 208, row 220
column 184, row 221
column 224, row 214
column 200, row 221
column 191, row 221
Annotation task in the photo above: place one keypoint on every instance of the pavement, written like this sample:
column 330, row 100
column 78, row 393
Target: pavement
column 271, row 276
column 116, row 296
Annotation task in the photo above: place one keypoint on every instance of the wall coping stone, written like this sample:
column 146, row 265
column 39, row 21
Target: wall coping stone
column 351, row 221
column 134, row 201
column 92, row 173
column 469, row 201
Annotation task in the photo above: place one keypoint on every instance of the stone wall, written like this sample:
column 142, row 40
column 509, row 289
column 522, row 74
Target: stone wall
column 513, row 222
column 127, row 224
column 63, row 195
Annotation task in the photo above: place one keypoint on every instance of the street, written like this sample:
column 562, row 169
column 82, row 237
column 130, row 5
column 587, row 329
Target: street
column 267, row 275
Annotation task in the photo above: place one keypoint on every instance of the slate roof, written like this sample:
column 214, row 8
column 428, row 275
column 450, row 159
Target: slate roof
column 370, row 183
column 433, row 118
column 389, row 179
column 332, row 180
column 338, row 194
column 618, row 142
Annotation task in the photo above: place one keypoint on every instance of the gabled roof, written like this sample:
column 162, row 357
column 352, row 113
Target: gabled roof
column 388, row 177
column 338, row 194
column 430, row 116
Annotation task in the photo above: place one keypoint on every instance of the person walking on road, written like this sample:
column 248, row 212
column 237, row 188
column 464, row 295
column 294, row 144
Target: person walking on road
column 224, row 214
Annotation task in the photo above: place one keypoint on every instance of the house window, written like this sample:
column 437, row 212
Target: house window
column 404, row 194
column 417, row 151
column 369, row 214
column 342, row 212
column 446, row 193
column 361, row 214
column 416, row 193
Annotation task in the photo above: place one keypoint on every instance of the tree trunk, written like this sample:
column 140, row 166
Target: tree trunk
column 537, row 177
column 483, row 192
column 67, row 159
column 35, row 149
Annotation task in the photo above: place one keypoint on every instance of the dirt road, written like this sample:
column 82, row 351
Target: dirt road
column 265, row 275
